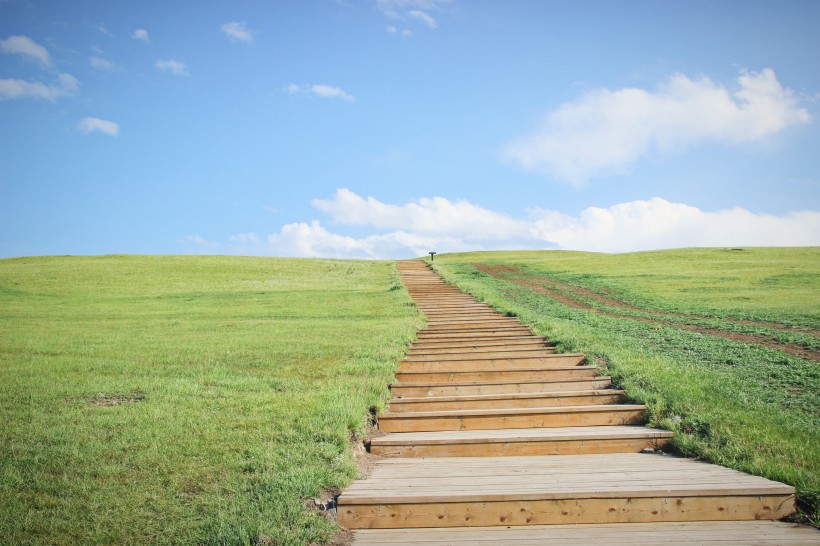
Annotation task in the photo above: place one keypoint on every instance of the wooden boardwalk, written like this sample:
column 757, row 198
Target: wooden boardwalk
column 493, row 437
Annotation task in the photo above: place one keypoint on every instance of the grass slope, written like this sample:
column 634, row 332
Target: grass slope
column 187, row 399
column 740, row 403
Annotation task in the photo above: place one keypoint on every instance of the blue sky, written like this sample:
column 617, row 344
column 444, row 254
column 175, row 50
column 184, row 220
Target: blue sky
column 387, row 128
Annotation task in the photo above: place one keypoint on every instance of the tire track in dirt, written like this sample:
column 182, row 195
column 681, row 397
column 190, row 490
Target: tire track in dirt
column 516, row 276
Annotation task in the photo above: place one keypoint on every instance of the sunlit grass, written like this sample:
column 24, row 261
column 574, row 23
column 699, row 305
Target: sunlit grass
column 187, row 399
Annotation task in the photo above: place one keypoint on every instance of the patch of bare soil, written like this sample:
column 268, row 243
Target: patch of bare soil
column 514, row 275
column 107, row 400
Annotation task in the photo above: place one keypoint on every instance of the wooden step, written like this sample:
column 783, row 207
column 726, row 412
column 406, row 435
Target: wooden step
column 520, row 442
column 497, row 351
column 435, row 326
column 416, row 390
column 487, row 419
column 511, row 341
column 470, row 361
column 709, row 533
column 492, row 374
column 498, row 401
column 472, row 333
column 478, row 340
column 557, row 489
column 463, row 311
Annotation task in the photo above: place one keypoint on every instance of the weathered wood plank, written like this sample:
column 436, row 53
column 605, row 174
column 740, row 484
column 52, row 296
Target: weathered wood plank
column 484, row 375
column 481, row 362
column 526, row 400
column 566, row 416
column 539, row 352
column 717, row 533
column 408, row 389
column 577, row 511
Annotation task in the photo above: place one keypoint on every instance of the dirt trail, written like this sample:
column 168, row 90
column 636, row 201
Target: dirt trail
column 516, row 276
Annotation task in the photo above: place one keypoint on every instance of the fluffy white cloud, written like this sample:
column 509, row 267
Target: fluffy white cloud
column 413, row 229
column 21, row 89
column 141, row 34
column 604, row 132
column 97, row 125
column 657, row 223
column 238, row 32
column 434, row 215
column 422, row 16
column 25, row 46
column 171, row 66
column 418, row 10
column 320, row 90
column 101, row 64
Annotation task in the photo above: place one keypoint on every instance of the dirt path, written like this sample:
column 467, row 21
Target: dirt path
column 516, row 276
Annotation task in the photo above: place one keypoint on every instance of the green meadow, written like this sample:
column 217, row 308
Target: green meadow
column 195, row 400
column 207, row 400
column 721, row 344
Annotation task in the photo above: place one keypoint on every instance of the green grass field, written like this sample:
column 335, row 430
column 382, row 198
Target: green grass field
column 722, row 344
column 187, row 400
column 204, row 399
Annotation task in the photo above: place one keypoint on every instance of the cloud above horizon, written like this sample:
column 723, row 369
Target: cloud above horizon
column 605, row 132
column 11, row 88
column 28, row 48
column 141, row 34
column 412, row 10
column 320, row 90
column 238, row 32
column 96, row 125
column 177, row 68
column 437, row 223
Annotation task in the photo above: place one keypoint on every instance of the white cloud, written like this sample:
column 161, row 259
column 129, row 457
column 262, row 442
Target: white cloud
column 422, row 16
column 97, row 125
column 329, row 92
column 238, row 32
column 319, row 90
column 418, row 10
column 23, row 45
column 141, row 34
column 427, row 216
column 171, row 66
column 101, row 64
column 604, row 132
column 21, row 89
column 413, row 229
column 103, row 29
column 657, row 223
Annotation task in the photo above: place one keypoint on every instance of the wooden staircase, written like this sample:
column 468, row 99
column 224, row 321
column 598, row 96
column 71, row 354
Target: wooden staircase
column 490, row 427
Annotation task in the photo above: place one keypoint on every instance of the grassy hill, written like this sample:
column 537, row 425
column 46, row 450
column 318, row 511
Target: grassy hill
column 187, row 399
column 722, row 344
column 203, row 399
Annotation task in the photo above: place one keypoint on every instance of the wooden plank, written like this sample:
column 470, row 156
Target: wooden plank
column 519, row 449
column 566, row 416
column 563, row 511
column 525, row 400
column 512, row 339
column 522, row 435
column 501, row 349
column 466, row 354
column 481, row 362
column 520, row 442
column 478, row 376
column 408, row 389
column 477, row 340
column 716, row 533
